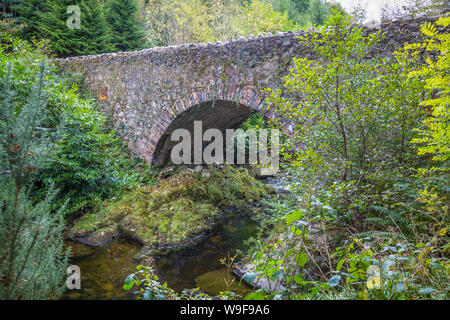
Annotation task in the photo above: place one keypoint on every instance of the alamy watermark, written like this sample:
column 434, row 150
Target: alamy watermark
column 74, row 20
column 230, row 149
column 74, row 279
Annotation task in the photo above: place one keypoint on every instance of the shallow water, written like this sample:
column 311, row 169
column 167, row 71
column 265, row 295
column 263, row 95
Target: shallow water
column 104, row 268
column 180, row 269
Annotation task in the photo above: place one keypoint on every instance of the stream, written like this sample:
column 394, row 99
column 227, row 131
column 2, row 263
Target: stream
column 104, row 268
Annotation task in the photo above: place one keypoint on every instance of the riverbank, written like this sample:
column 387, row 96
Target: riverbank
column 177, row 212
column 107, row 250
column 104, row 267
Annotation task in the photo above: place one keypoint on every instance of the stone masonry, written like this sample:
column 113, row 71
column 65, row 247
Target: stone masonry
column 148, row 93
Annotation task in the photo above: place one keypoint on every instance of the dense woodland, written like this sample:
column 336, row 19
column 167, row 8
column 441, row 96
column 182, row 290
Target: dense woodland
column 110, row 26
column 369, row 173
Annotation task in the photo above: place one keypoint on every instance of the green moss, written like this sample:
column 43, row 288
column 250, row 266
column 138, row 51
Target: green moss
column 88, row 224
column 103, row 235
column 228, row 186
column 179, row 207
column 213, row 283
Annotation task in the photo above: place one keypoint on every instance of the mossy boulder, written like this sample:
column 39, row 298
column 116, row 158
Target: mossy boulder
column 102, row 235
column 177, row 208
column 213, row 283
column 88, row 224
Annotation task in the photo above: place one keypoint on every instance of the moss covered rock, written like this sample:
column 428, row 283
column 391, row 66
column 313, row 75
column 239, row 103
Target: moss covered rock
column 179, row 207
column 213, row 283
column 102, row 235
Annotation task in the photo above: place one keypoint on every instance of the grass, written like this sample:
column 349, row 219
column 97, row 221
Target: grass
column 178, row 207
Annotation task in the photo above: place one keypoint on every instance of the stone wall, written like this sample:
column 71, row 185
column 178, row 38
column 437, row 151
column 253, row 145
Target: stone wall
column 143, row 92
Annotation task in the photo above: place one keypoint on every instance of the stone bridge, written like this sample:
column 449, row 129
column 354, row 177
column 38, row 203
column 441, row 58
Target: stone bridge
column 149, row 93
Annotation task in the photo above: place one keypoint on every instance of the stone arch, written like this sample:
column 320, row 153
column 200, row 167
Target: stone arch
column 142, row 92
column 217, row 113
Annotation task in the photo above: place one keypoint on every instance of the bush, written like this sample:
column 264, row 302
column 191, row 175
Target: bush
column 371, row 216
column 28, row 231
column 88, row 161
column 344, row 133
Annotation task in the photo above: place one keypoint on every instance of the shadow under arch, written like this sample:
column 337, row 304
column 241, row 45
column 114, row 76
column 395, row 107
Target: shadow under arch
column 218, row 114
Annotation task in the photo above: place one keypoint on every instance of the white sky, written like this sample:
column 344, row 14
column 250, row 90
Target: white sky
column 373, row 6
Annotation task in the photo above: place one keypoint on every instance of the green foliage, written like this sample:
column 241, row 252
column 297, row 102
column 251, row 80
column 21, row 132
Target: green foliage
column 351, row 115
column 87, row 163
column 118, row 25
column 257, row 17
column 179, row 207
column 93, row 36
column 149, row 287
column 305, row 13
column 28, row 232
column 435, row 137
column 28, row 14
column 188, row 21
column 126, row 33
column 413, row 8
column 51, row 24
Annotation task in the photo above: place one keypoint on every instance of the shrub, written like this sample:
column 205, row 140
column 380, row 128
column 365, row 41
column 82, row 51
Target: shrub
column 88, row 162
column 360, row 174
column 28, row 231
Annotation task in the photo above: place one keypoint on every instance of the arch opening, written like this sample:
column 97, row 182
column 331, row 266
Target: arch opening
column 217, row 114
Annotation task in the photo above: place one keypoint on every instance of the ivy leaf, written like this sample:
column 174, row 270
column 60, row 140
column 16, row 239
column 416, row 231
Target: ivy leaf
column 249, row 277
column 148, row 295
column 302, row 259
column 334, row 280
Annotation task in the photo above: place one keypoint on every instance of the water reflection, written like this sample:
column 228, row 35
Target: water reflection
column 180, row 269
column 104, row 268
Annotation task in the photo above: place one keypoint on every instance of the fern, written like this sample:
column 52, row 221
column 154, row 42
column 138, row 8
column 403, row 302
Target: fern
column 380, row 234
column 391, row 218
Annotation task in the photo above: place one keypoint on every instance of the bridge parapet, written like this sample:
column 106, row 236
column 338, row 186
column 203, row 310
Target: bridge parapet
column 142, row 92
